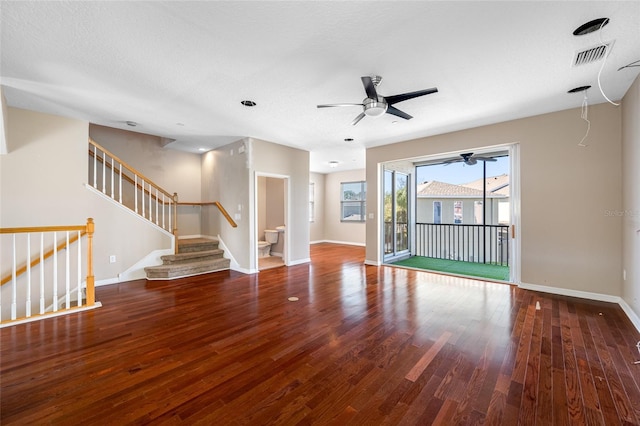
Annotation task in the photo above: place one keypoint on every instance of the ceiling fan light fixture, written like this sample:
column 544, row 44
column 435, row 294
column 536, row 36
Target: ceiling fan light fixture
column 374, row 108
column 590, row 26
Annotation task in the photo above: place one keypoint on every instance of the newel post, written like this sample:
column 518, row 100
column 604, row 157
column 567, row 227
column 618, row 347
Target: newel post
column 91, row 291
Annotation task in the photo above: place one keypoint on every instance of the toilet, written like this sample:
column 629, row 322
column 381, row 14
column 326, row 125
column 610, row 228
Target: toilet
column 264, row 247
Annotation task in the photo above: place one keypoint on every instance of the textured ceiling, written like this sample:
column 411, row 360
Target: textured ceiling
column 180, row 69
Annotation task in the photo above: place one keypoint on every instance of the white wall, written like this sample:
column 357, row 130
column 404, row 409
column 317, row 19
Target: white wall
column 42, row 184
column 334, row 229
column 631, row 198
column 316, row 228
column 568, row 241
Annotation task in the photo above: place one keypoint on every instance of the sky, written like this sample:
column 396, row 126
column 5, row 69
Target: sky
column 457, row 173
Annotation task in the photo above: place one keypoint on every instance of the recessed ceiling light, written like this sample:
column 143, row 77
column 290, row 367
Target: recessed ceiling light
column 591, row 26
column 248, row 103
column 202, row 149
column 348, row 139
column 579, row 89
column 131, row 123
column 333, row 164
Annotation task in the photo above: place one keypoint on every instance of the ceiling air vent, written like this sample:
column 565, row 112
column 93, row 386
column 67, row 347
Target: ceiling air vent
column 593, row 54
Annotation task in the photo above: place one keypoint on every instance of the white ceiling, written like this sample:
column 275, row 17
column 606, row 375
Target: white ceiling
column 180, row 69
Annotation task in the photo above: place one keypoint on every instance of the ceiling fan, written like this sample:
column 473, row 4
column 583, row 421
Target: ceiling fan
column 375, row 105
column 469, row 159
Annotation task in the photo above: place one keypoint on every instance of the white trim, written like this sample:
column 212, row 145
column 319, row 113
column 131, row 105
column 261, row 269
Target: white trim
column 348, row 243
column 107, row 281
column 299, row 261
column 573, row 293
column 372, row 262
column 136, row 271
column 633, row 317
column 186, row 276
column 317, row 242
column 51, row 315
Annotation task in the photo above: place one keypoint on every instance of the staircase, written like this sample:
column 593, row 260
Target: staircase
column 195, row 256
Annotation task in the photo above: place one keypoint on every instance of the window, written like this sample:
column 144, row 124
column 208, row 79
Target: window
column 312, row 214
column 457, row 212
column 352, row 201
column 437, row 212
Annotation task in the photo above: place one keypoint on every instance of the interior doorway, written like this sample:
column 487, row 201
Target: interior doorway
column 271, row 215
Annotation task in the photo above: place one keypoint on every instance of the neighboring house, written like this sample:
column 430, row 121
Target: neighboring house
column 440, row 202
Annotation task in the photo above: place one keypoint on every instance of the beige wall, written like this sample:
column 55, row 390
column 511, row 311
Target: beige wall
column 334, row 229
column 272, row 159
column 631, row 197
column 316, row 228
column 174, row 171
column 567, row 240
column 41, row 184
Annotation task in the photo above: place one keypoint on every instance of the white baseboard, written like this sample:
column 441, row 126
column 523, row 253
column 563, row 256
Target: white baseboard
column 299, row 261
column 372, row 262
column 348, row 243
column 633, row 317
column 573, row 293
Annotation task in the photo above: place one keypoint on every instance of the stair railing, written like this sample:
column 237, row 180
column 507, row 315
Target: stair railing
column 127, row 186
column 222, row 210
column 59, row 286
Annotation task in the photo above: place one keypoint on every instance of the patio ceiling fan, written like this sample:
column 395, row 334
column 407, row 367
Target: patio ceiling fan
column 469, row 159
column 375, row 105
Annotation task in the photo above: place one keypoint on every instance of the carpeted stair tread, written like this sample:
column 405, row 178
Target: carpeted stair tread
column 185, row 269
column 196, row 244
column 193, row 256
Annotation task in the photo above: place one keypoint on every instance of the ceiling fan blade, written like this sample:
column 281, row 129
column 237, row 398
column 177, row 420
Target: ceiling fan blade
column 395, row 111
column 338, row 105
column 485, row 159
column 405, row 96
column 454, row 160
column 369, row 87
column 357, row 119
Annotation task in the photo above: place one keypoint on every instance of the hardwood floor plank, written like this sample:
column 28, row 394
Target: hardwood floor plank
column 363, row 345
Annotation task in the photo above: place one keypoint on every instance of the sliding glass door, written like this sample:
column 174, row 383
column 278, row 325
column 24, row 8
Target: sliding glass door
column 396, row 214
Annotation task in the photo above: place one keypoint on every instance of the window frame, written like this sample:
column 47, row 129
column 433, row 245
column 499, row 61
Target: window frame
column 360, row 202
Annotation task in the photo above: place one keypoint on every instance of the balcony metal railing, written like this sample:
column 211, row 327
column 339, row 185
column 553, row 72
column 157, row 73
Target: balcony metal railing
column 468, row 243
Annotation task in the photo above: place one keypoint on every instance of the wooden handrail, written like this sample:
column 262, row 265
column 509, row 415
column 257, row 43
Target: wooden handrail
column 213, row 203
column 131, row 169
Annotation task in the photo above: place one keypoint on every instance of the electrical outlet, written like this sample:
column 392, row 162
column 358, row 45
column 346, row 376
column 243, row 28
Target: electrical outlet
column 112, row 258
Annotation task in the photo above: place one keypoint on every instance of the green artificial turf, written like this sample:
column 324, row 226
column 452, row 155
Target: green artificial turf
column 494, row 272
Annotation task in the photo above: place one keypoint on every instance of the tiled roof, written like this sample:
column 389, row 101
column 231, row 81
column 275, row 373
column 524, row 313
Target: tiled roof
column 496, row 186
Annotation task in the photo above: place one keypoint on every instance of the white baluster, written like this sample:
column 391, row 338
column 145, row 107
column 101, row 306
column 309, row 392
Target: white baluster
column 41, row 273
column 104, row 172
column 156, row 206
column 170, row 213
column 150, row 204
column 14, row 289
column 67, row 299
column 120, row 187
column 79, row 281
column 135, row 191
column 95, row 166
column 142, row 180
column 163, row 207
column 113, row 195
column 55, row 272
column 28, row 301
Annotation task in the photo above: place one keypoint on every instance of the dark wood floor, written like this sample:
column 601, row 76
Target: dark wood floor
column 362, row 345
